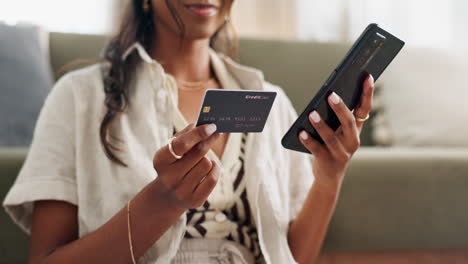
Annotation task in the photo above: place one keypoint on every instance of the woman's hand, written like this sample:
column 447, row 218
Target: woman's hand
column 329, row 166
column 188, row 181
column 181, row 184
column 332, row 158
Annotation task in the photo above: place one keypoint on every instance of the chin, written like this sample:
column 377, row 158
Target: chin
column 199, row 33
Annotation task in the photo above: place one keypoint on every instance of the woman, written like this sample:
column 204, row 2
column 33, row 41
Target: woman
column 106, row 182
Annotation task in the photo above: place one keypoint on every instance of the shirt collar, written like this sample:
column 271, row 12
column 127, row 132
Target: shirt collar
column 141, row 52
column 249, row 78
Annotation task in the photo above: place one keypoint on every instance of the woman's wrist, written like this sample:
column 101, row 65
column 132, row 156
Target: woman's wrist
column 328, row 186
column 162, row 201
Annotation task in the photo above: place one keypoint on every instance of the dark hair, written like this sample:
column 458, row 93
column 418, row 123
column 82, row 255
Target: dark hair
column 138, row 25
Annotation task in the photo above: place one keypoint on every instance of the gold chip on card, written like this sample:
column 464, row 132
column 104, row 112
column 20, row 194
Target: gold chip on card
column 206, row 109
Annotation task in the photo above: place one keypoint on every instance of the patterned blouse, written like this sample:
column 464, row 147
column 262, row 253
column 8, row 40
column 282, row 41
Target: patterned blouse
column 234, row 223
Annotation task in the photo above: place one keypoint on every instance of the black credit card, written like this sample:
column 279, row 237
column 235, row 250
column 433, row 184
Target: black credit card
column 236, row 111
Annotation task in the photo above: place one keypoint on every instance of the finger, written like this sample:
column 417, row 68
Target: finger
column 339, row 131
column 185, row 130
column 192, row 157
column 350, row 135
column 311, row 144
column 207, row 185
column 365, row 104
column 185, row 185
column 186, row 141
column 191, row 180
column 332, row 142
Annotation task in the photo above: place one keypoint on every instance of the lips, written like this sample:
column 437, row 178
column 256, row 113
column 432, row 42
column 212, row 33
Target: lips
column 202, row 10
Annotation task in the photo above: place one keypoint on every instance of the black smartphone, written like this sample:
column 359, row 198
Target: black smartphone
column 371, row 54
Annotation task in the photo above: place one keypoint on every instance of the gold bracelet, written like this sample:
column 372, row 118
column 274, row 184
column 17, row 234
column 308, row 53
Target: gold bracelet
column 130, row 233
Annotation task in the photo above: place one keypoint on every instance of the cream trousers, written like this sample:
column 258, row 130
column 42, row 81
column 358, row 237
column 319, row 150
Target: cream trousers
column 212, row 251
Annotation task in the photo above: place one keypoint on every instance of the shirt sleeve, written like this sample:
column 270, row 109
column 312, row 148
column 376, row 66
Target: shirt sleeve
column 301, row 176
column 48, row 172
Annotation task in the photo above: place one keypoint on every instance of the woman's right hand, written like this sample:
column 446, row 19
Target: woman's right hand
column 187, row 182
column 181, row 184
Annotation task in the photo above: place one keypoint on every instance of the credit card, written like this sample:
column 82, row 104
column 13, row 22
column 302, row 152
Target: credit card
column 236, row 111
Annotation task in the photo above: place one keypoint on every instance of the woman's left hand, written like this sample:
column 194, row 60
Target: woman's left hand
column 332, row 158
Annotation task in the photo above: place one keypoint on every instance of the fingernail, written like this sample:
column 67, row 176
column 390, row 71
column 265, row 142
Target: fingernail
column 335, row 98
column 370, row 80
column 315, row 117
column 210, row 129
column 304, row 135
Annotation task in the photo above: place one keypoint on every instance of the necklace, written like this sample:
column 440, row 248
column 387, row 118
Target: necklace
column 193, row 86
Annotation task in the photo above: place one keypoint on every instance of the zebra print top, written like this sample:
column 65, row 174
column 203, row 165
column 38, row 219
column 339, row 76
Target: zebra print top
column 234, row 223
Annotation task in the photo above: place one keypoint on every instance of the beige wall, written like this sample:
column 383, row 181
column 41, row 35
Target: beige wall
column 265, row 18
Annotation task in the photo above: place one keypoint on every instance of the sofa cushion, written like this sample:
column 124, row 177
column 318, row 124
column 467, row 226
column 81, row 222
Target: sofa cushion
column 398, row 198
column 424, row 100
column 25, row 78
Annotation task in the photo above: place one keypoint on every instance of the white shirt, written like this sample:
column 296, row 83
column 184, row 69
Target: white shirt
column 222, row 196
column 66, row 160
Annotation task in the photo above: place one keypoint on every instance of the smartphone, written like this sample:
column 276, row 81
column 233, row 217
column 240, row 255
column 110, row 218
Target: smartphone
column 374, row 50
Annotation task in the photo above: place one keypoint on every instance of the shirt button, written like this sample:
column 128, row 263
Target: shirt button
column 161, row 95
column 220, row 217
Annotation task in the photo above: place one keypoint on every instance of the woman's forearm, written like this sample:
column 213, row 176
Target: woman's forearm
column 182, row 182
column 307, row 232
column 150, row 217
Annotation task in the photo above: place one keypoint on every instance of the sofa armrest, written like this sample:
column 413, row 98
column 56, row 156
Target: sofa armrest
column 13, row 242
column 395, row 198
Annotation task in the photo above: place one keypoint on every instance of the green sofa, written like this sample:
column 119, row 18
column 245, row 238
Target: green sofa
column 392, row 198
